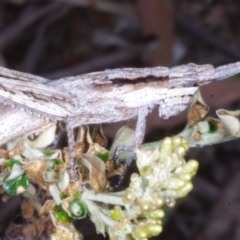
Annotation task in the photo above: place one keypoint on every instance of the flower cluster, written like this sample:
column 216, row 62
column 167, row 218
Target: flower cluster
column 28, row 167
column 164, row 176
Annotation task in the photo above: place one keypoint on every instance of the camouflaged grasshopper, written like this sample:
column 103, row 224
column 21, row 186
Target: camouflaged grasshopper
column 28, row 102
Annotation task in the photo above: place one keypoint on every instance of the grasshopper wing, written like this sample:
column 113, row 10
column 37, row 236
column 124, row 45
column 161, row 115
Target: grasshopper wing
column 16, row 122
column 38, row 97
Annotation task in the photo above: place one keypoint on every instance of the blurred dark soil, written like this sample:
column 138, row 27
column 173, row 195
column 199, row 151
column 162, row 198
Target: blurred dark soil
column 68, row 37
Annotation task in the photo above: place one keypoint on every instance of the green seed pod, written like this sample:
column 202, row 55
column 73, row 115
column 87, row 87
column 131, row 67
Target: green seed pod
column 140, row 232
column 190, row 167
column 128, row 197
column 157, row 214
column 165, row 148
column 186, row 177
column 145, row 206
column 181, row 150
column 174, row 183
column 116, row 214
column 158, row 201
column 182, row 192
column 176, row 141
column 153, row 230
column 146, row 170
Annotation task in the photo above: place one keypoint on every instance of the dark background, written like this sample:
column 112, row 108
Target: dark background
column 69, row 37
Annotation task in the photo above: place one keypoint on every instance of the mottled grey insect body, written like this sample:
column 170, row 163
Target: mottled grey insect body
column 100, row 97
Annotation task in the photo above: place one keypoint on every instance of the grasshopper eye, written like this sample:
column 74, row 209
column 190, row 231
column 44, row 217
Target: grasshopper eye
column 190, row 78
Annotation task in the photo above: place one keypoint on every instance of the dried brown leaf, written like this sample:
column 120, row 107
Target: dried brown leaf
column 112, row 170
column 72, row 188
column 4, row 154
column 98, row 180
column 16, row 150
column 197, row 110
column 196, row 136
column 83, row 140
column 98, row 136
column 97, row 172
column 83, row 173
column 36, row 169
column 80, row 148
column 28, row 209
column 48, row 206
column 90, row 143
column 61, row 168
column 95, row 148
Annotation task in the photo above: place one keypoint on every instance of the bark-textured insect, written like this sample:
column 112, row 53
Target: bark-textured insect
column 100, row 97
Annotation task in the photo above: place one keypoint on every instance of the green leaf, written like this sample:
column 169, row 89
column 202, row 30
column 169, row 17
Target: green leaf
column 10, row 162
column 78, row 209
column 103, row 156
column 57, row 161
column 49, row 153
column 212, row 126
column 77, row 195
column 63, row 196
column 17, row 185
column 62, row 216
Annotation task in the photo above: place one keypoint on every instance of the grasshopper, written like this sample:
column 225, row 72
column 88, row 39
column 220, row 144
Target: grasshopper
column 28, row 101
